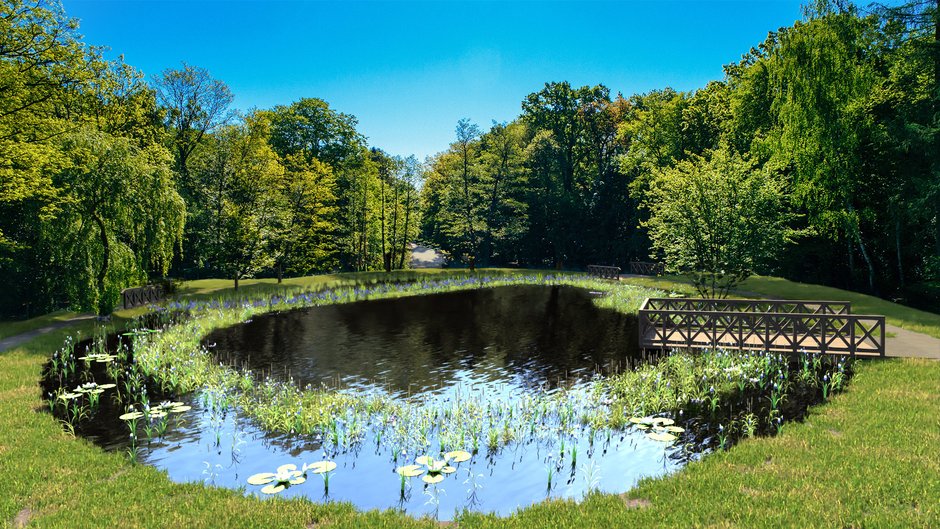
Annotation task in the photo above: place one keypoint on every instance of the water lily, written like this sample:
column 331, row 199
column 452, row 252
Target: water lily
column 275, row 482
column 436, row 468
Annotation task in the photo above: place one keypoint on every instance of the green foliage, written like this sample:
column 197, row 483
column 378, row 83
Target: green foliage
column 842, row 105
column 717, row 218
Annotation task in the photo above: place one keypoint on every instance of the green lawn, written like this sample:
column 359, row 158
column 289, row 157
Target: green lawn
column 865, row 459
column 11, row 328
column 905, row 317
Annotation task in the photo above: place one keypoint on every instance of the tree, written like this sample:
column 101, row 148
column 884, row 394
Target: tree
column 239, row 176
column 717, row 218
column 121, row 211
column 303, row 239
column 196, row 104
column 311, row 129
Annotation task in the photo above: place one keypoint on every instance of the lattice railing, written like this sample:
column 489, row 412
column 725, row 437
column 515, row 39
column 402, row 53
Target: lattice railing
column 647, row 269
column 604, row 272
column 786, row 306
column 147, row 295
column 794, row 331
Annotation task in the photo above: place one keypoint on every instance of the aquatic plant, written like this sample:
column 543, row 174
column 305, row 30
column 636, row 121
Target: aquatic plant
column 275, row 482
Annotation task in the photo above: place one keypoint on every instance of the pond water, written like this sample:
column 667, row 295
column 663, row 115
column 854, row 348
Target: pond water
column 524, row 336
column 486, row 345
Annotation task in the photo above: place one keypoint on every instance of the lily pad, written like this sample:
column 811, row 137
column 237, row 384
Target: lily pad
column 107, row 386
column 298, row 480
column 643, row 426
column 424, row 460
column 663, row 421
column 410, row 471
column 261, row 479
column 663, row 437
column 431, row 479
column 180, row 409
column 448, row 470
column 675, row 429
column 130, row 416
column 273, row 488
column 322, row 466
column 157, row 414
column 458, row 456
column 69, row 396
column 641, row 420
column 289, row 467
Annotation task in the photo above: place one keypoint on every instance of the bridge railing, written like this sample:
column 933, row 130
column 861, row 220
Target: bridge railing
column 604, row 272
column 647, row 269
column 794, row 331
column 787, row 306
column 146, row 295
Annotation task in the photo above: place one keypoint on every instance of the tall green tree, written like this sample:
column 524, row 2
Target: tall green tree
column 717, row 218
column 121, row 211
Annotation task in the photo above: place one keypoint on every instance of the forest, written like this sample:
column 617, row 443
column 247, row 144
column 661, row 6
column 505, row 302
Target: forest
column 814, row 158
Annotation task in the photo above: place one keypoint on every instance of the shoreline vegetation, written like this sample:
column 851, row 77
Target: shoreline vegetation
column 861, row 417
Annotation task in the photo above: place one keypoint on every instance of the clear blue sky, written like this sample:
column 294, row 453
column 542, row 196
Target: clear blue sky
column 409, row 71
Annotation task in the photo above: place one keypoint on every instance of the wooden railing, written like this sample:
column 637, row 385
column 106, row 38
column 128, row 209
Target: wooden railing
column 647, row 269
column 604, row 272
column 812, row 326
column 146, row 295
column 785, row 306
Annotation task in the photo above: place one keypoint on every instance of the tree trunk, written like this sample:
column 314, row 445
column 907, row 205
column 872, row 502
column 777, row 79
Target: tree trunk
column 868, row 263
column 404, row 238
column 385, row 256
column 393, row 240
column 897, row 247
column 105, row 261
column 850, row 251
column 236, row 281
column 280, row 273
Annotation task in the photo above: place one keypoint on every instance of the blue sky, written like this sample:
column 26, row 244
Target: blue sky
column 409, row 70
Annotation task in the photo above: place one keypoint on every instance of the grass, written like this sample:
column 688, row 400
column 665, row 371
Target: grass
column 899, row 315
column 775, row 287
column 12, row 328
column 865, row 459
column 203, row 289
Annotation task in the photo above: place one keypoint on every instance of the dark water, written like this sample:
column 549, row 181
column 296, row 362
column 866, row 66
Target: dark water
column 534, row 336
column 505, row 344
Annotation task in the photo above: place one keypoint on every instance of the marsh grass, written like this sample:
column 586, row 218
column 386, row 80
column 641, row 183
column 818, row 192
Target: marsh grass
column 175, row 360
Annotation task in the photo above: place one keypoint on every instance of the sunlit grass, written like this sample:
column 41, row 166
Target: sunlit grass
column 865, row 459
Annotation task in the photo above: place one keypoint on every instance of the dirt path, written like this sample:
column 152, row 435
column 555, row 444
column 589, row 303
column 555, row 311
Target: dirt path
column 18, row 339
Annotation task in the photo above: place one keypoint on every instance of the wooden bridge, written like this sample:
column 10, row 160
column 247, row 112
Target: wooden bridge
column 766, row 325
column 146, row 295
column 644, row 268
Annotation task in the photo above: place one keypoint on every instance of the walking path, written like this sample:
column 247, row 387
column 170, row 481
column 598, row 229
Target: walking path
column 909, row 344
column 18, row 339
column 424, row 257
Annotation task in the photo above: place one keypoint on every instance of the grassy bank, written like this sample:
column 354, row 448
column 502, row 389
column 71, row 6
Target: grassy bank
column 867, row 458
column 899, row 315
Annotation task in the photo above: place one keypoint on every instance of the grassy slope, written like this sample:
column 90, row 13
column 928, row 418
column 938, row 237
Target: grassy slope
column 868, row 458
column 10, row 328
column 905, row 317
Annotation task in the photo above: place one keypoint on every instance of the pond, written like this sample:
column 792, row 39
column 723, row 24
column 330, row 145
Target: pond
column 527, row 336
column 483, row 347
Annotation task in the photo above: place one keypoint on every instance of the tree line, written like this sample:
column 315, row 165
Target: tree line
column 815, row 157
